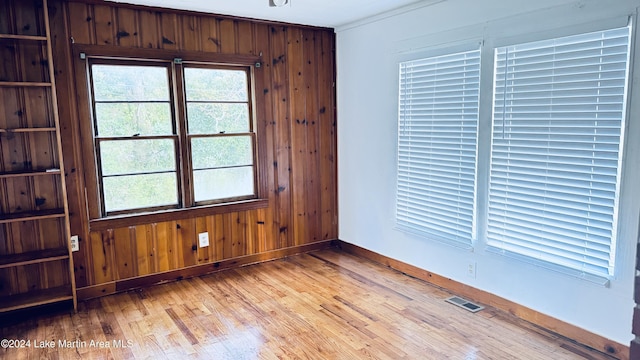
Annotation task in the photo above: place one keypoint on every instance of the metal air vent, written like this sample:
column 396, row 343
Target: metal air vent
column 465, row 304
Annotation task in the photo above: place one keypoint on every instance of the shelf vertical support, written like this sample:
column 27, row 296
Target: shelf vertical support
column 56, row 118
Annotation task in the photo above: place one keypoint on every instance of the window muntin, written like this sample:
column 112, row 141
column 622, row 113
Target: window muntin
column 558, row 121
column 438, row 120
column 141, row 161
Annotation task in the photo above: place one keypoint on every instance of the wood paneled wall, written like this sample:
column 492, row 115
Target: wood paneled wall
column 299, row 117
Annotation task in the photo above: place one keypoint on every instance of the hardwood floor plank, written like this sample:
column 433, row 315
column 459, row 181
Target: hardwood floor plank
column 323, row 305
column 364, row 280
column 182, row 327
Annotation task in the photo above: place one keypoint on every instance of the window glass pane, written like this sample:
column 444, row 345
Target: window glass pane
column 139, row 191
column 213, row 152
column 215, row 85
column 214, row 118
column 223, row 183
column 128, row 119
column 130, row 83
column 137, row 156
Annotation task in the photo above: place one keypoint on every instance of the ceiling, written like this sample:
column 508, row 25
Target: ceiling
column 325, row 13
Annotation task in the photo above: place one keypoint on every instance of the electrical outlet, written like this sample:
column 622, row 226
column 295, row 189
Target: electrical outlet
column 471, row 270
column 203, row 239
column 75, row 246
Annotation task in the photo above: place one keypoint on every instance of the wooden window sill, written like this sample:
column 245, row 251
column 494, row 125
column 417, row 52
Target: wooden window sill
column 120, row 221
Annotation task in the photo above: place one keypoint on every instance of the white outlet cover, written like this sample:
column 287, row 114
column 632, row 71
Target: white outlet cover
column 203, row 239
column 471, row 270
column 75, row 246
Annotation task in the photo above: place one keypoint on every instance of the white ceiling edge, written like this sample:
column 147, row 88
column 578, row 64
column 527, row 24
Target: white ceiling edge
column 322, row 13
column 388, row 14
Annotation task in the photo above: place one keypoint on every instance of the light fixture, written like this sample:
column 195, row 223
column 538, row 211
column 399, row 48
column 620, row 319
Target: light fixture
column 278, row 3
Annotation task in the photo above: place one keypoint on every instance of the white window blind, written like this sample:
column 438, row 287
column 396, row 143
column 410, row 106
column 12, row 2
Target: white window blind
column 559, row 108
column 438, row 119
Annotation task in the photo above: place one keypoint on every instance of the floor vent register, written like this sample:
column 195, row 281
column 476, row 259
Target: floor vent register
column 464, row 303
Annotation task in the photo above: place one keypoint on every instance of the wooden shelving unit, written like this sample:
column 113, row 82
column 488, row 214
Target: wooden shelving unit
column 34, row 214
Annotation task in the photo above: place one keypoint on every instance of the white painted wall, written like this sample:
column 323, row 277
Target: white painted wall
column 367, row 60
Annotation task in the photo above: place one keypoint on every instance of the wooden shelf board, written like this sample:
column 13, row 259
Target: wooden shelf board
column 31, row 215
column 35, row 298
column 23, row 37
column 33, row 257
column 25, row 130
column 24, row 84
column 11, row 174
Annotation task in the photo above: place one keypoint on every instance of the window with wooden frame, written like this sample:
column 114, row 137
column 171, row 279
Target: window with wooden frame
column 169, row 134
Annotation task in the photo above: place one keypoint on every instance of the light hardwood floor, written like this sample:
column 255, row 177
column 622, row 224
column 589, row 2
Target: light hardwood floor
column 322, row 305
